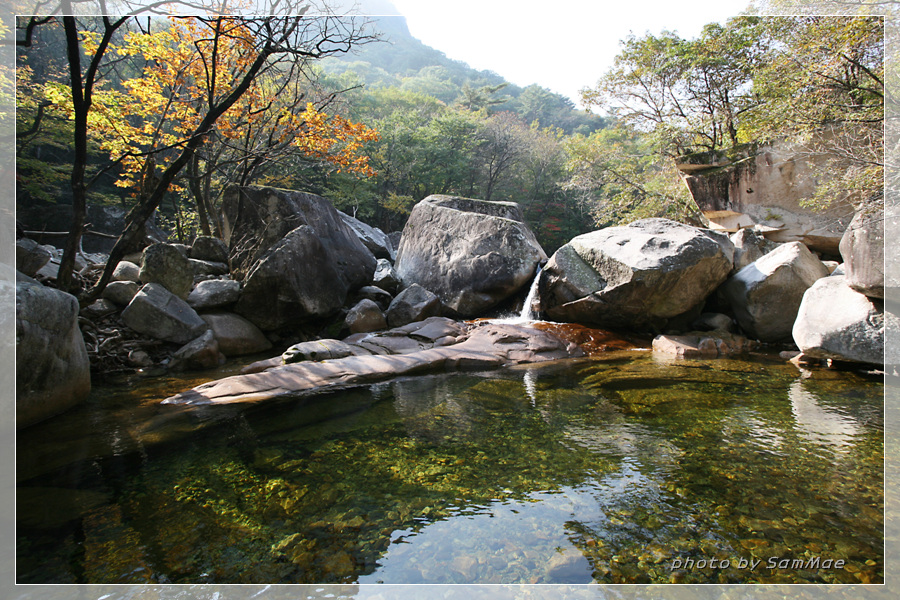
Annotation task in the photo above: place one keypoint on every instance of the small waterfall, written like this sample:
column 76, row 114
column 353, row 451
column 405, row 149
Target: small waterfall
column 527, row 313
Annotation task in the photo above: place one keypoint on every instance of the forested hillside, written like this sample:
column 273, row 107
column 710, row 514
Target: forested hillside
column 379, row 128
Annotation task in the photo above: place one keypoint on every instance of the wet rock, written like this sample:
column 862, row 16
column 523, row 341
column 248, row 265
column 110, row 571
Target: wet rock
column 236, row 335
column 862, row 248
column 331, row 364
column 52, row 369
column 160, row 314
column 634, row 277
column 568, row 567
column 210, row 249
column 702, row 345
column 168, row 266
column 214, row 293
column 415, row 303
column 837, row 322
column 365, row 317
column 30, row 256
column 766, row 295
column 472, row 254
column 120, row 292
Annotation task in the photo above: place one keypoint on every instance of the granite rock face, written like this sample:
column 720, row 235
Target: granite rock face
column 636, row 276
column 257, row 218
column 292, row 283
column 298, row 258
column 472, row 254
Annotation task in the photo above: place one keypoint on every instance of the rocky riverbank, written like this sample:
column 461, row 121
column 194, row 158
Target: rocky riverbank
column 291, row 269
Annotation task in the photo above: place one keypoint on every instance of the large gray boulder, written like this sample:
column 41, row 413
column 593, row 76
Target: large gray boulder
column 257, row 218
column 749, row 246
column 862, row 248
column 236, row 336
column 52, row 368
column 209, row 249
column 766, row 294
column 158, row 313
column 30, row 256
column 214, row 293
column 365, row 317
column 837, row 322
column 167, row 265
column 298, row 257
column 415, row 303
column 636, row 276
column 386, row 277
column 294, row 282
column 372, row 238
column 471, row 253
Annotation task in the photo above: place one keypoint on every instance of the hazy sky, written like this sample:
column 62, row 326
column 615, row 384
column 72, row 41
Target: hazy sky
column 562, row 45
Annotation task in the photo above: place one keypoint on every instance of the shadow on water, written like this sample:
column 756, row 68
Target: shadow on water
column 619, row 469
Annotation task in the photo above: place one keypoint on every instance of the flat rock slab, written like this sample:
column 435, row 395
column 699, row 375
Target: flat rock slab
column 481, row 345
column 701, row 344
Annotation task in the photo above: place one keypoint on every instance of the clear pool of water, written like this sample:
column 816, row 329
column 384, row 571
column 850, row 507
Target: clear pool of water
column 618, row 469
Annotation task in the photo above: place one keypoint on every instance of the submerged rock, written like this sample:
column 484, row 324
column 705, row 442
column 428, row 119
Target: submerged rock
column 636, row 276
column 472, row 254
column 702, row 344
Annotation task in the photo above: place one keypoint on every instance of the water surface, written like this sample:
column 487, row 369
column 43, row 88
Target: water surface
column 623, row 469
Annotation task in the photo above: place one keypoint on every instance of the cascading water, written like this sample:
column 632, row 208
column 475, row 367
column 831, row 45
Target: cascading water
column 528, row 313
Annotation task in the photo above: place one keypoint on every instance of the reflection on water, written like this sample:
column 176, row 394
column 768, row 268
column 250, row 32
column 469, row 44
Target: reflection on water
column 625, row 469
column 825, row 427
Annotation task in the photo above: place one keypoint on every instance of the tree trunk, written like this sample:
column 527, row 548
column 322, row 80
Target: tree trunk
column 80, row 105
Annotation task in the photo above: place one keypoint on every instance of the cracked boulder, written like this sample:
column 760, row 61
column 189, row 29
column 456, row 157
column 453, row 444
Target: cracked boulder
column 472, row 254
column 636, row 276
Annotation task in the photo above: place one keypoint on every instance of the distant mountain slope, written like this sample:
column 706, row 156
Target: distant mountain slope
column 400, row 60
